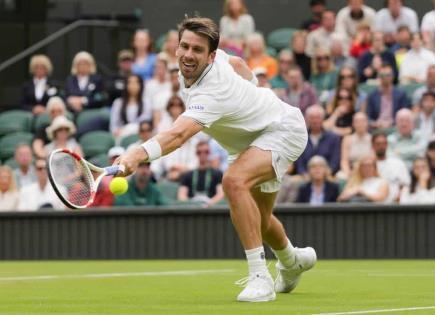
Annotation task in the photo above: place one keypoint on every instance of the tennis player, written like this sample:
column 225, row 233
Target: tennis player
column 262, row 136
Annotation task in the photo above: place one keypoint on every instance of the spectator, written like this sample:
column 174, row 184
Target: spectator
column 425, row 121
column 218, row 156
column 84, row 87
column 317, row 8
column 365, row 184
column 161, row 99
column 289, row 186
column 145, row 132
column 428, row 87
column 285, row 61
column 420, row 191
column 402, row 44
column 324, row 75
column 430, row 154
column 141, row 190
column 299, row 93
column 40, row 88
column 55, row 107
column 362, row 42
column 406, row 143
column 144, row 58
column 159, row 84
column 39, row 195
column 390, row 168
column 340, row 113
column 203, row 184
column 258, row 57
column 298, row 46
column 25, row 172
column 390, row 18
column 416, row 62
column 169, row 49
column 356, row 144
column 339, row 53
column 60, row 133
column 428, row 28
column 116, row 84
column 235, row 26
column 370, row 63
column 384, row 102
column 319, row 189
column 9, row 196
column 352, row 16
column 261, row 74
column 321, row 37
column 320, row 142
column 128, row 111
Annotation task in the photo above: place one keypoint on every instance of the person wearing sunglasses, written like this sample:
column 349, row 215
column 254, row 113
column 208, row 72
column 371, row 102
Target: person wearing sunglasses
column 340, row 113
column 324, row 75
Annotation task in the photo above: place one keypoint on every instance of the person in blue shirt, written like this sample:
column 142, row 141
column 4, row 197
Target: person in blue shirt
column 144, row 58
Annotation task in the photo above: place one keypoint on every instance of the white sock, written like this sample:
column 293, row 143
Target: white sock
column 256, row 260
column 286, row 256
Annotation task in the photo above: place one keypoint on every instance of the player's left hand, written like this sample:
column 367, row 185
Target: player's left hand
column 131, row 160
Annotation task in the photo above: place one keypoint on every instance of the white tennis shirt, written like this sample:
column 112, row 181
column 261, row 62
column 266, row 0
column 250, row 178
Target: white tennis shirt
column 233, row 110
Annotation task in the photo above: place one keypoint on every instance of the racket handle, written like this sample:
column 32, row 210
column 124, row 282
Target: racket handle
column 114, row 169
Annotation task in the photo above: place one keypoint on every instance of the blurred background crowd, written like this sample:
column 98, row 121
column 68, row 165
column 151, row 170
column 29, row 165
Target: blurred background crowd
column 364, row 80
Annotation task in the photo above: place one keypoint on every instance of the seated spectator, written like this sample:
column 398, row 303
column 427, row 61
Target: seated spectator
column 218, row 156
column 25, row 172
column 317, row 8
column 116, row 84
column 320, row 142
column 144, row 58
column 159, row 84
column 128, row 111
column 322, row 36
column 174, row 108
column 290, row 186
column 339, row 52
column 402, row 45
column 60, row 133
column 428, row 87
column 352, row 16
column 145, row 132
column 319, row 189
column 370, row 63
column 84, row 87
column 298, row 46
column 406, row 143
column 425, row 121
column 235, row 26
column 261, row 75
column 356, row 144
column 340, row 113
column 169, row 49
column 384, row 102
column 40, row 88
column 394, row 15
column 161, row 99
column 324, row 75
column 285, row 62
column 40, row 194
column 9, row 196
column 299, row 93
column 55, row 107
column 420, row 191
column 142, row 191
column 430, row 154
column 203, row 184
column 390, row 168
column 257, row 56
column 362, row 42
column 365, row 184
column 428, row 29
column 416, row 62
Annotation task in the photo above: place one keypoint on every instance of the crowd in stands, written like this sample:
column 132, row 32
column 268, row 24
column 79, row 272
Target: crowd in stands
column 364, row 80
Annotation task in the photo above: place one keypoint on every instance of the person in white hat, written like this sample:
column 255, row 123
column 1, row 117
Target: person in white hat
column 60, row 133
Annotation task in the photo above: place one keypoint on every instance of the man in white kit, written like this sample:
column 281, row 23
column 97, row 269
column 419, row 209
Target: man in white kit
column 262, row 135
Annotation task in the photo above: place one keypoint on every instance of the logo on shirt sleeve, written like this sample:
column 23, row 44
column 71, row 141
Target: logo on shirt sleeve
column 196, row 107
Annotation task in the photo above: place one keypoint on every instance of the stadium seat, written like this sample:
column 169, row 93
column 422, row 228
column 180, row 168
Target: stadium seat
column 126, row 141
column 271, row 52
column 15, row 121
column 411, row 88
column 280, row 38
column 100, row 160
column 89, row 115
column 160, row 42
column 169, row 189
column 9, row 142
column 11, row 163
column 42, row 119
column 367, row 88
column 96, row 142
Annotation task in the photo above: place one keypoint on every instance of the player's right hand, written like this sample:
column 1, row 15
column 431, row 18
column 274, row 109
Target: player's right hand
column 131, row 160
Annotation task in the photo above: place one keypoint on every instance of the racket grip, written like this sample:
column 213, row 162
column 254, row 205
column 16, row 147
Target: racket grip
column 114, row 169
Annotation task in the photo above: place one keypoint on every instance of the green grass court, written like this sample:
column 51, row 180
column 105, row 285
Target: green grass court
column 206, row 287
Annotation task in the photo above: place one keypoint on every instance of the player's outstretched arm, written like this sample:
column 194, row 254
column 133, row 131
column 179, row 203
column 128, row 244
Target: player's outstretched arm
column 165, row 142
column 242, row 69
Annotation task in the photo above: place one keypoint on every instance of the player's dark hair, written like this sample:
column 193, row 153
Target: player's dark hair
column 201, row 26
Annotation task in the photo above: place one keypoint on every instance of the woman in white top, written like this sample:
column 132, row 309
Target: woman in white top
column 420, row 190
column 129, row 110
column 60, row 133
column 9, row 196
column 169, row 48
column 365, row 184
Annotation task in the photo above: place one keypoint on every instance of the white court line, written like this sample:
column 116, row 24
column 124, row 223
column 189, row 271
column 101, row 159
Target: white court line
column 382, row 311
column 121, row 274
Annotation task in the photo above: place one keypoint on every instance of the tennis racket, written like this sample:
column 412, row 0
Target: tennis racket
column 74, row 179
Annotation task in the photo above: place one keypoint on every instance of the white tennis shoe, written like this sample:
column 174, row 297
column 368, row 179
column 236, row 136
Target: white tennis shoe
column 288, row 279
column 259, row 288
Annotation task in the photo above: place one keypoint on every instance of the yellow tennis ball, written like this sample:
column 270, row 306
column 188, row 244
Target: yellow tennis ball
column 118, row 186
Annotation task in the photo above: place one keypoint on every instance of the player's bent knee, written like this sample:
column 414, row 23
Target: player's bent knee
column 233, row 184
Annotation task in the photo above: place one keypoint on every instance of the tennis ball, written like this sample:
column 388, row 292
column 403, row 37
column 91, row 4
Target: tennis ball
column 118, row 186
